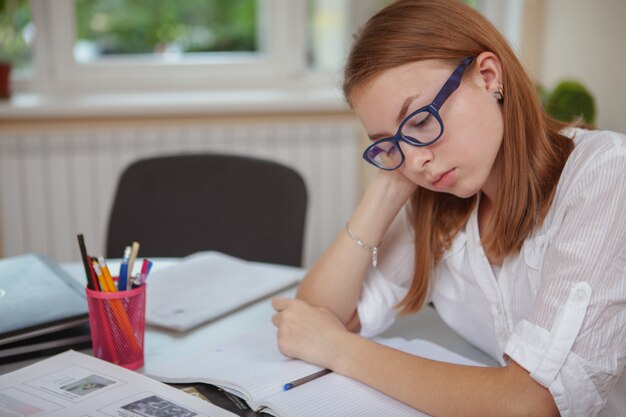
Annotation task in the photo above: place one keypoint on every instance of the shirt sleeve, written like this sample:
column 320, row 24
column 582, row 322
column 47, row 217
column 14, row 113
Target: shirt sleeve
column 574, row 340
column 387, row 284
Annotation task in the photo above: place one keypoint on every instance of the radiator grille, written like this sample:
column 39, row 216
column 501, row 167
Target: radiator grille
column 57, row 182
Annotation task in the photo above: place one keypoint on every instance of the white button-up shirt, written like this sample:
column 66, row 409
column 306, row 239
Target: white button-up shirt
column 558, row 307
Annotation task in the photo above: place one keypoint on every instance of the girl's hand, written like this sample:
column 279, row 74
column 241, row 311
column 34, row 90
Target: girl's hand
column 398, row 188
column 312, row 334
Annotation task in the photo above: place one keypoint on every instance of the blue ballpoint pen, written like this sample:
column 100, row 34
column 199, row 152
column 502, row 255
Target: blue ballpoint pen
column 122, row 279
column 306, row 379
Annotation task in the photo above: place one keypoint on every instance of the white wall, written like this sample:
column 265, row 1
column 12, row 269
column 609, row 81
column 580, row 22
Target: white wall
column 584, row 40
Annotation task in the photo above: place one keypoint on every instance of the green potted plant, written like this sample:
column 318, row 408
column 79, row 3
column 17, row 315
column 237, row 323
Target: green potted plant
column 14, row 49
column 569, row 101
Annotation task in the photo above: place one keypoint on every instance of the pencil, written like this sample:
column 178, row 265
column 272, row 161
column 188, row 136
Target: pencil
column 91, row 279
column 134, row 250
column 104, row 287
column 306, row 379
column 107, row 275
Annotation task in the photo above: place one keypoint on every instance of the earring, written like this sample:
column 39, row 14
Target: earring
column 499, row 93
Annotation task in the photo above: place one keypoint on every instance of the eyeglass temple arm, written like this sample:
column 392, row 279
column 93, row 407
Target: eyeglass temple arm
column 452, row 84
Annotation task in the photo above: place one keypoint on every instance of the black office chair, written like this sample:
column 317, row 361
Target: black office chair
column 176, row 205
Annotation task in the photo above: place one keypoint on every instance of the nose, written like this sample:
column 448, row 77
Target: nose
column 416, row 158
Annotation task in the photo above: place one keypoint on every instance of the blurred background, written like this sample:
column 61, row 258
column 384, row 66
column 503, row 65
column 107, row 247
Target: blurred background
column 92, row 85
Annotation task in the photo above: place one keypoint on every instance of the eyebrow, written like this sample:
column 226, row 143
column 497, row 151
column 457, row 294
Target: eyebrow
column 401, row 115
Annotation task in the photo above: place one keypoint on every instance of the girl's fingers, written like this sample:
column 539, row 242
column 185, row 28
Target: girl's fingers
column 280, row 303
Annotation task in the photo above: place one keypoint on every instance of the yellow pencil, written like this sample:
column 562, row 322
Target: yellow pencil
column 107, row 275
column 104, row 286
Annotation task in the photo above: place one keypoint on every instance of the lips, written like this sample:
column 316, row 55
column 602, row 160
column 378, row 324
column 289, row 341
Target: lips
column 443, row 180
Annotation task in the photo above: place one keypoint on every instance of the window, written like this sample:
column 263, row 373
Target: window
column 84, row 46
column 133, row 45
column 17, row 33
column 163, row 29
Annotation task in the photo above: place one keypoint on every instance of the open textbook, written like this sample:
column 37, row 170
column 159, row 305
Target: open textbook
column 206, row 286
column 75, row 384
column 251, row 367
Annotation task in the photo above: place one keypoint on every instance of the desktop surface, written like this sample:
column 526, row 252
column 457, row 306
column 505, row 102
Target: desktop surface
column 162, row 346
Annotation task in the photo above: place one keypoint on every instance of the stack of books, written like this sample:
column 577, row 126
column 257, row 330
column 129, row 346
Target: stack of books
column 43, row 309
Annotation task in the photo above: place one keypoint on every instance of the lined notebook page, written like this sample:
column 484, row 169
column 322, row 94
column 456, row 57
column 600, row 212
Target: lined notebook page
column 335, row 395
column 252, row 367
column 250, row 380
column 249, row 365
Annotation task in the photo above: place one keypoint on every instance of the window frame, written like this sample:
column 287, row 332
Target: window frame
column 282, row 63
column 282, row 57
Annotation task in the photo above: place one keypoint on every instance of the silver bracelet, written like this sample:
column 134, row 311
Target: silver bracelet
column 372, row 249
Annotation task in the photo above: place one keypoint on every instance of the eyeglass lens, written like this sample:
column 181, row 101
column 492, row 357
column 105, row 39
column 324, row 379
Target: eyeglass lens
column 421, row 129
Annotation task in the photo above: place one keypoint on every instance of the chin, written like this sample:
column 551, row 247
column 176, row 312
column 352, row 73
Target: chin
column 464, row 195
column 456, row 193
column 463, row 192
column 460, row 190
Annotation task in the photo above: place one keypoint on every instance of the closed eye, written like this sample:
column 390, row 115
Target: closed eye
column 422, row 119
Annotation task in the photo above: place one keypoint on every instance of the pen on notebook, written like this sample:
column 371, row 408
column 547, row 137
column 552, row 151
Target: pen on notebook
column 123, row 276
column 306, row 379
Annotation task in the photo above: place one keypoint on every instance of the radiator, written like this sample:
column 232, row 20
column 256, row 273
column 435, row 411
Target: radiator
column 56, row 182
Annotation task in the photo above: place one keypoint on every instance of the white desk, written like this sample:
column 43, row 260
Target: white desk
column 163, row 345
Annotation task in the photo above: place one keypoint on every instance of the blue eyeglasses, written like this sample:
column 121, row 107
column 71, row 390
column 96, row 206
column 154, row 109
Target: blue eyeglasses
column 421, row 128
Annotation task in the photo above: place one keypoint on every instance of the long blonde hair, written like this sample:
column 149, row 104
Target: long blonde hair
column 533, row 152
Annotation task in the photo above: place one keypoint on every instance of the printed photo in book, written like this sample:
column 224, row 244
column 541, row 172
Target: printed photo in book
column 75, row 384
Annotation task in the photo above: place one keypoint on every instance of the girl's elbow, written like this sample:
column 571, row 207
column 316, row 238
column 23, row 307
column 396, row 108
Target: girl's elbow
column 530, row 398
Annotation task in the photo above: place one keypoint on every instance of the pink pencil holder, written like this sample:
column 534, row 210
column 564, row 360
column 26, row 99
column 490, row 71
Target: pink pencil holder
column 118, row 325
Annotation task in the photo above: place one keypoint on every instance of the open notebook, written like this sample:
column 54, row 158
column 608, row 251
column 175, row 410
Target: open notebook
column 251, row 367
column 206, row 286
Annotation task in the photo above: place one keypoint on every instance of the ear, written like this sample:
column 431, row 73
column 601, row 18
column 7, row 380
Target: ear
column 488, row 71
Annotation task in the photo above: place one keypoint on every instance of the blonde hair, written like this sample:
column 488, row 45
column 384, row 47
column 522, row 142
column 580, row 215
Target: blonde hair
column 533, row 152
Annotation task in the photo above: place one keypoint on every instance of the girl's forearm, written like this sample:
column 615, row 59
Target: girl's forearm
column 335, row 281
column 442, row 389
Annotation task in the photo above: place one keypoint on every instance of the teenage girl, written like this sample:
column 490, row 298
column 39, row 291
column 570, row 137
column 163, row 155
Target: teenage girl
column 511, row 223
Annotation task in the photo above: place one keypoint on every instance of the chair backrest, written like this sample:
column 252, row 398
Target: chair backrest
column 250, row 208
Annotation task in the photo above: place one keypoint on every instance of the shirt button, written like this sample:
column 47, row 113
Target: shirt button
column 580, row 295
